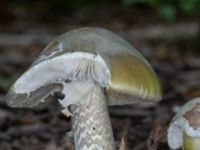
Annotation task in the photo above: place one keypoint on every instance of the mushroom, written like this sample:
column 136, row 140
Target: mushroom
column 184, row 130
column 93, row 68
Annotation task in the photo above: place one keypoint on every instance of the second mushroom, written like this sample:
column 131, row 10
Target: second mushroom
column 184, row 130
column 93, row 68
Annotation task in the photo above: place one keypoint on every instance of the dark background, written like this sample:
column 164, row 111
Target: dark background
column 166, row 32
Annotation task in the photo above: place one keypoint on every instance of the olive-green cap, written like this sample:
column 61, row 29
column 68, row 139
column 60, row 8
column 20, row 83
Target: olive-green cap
column 191, row 143
column 109, row 60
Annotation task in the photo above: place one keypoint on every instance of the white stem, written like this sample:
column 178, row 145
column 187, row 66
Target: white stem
column 91, row 124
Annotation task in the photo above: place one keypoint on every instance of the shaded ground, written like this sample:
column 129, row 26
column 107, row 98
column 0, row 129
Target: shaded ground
column 173, row 58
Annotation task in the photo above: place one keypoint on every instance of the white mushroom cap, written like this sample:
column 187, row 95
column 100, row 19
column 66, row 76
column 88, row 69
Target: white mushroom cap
column 185, row 123
column 91, row 55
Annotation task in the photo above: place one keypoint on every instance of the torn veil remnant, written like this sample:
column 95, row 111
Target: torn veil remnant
column 184, row 130
column 101, row 69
